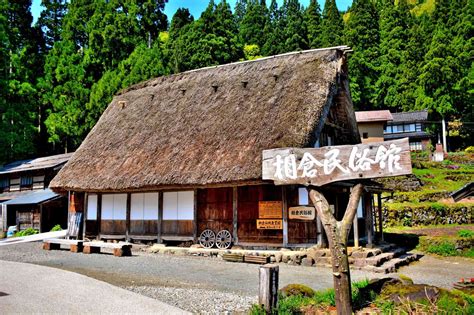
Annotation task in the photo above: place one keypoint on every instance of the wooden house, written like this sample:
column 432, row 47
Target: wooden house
column 175, row 156
column 372, row 124
column 411, row 125
column 25, row 200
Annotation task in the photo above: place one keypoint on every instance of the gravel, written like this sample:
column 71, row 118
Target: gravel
column 198, row 301
column 210, row 285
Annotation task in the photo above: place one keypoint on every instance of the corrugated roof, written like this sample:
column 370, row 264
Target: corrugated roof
column 373, row 115
column 35, row 164
column 400, row 135
column 33, row 197
column 420, row 115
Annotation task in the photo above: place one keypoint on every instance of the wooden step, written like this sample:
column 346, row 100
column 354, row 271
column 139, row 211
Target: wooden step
column 255, row 259
column 233, row 257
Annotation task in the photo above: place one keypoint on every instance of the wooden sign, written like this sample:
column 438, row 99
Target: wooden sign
column 270, row 209
column 302, row 213
column 308, row 166
column 269, row 224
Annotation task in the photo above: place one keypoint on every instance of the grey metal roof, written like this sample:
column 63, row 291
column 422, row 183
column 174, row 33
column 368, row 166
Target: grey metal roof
column 35, row 197
column 463, row 192
column 35, row 164
column 420, row 115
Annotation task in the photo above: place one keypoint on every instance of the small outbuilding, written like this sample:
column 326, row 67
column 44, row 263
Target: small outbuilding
column 176, row 157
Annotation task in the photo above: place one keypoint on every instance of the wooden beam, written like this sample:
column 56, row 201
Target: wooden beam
column 379, row 205
column 368, row 219
column 41, row 219
column 128, row 209
column 86, row 201
column 160, row 216
column 285, row 215
column 235, row 215
column 99, row 214
column 195, row 225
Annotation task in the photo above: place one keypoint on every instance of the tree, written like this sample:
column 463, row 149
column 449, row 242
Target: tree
column 313, row 20
column 181, row 18
column 274, row 37
column 294, row 32
column 151, row 17
column 252, row 26
column 50, row 20
column 332, row 26
column 362, row 35
column 239, row 10
column 338, row 234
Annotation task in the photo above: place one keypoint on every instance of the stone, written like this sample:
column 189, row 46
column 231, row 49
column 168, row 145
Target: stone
column 296, row 258
column 307, row 261
column 196, row 246
column 272, row 259
column 278, row 257
column 285, row 258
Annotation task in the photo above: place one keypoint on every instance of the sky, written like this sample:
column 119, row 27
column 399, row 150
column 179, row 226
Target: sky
column 195, row 6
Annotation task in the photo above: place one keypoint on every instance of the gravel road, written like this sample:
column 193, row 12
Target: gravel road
column 210, row 285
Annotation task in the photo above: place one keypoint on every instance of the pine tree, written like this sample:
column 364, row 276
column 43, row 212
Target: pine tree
column 152, row 18
column 294, row 32
column 313, row 20
column 362, row 35
column 239, row 10
column 50, row 20
column 332, row 26
column 273, row 31
column 252, row 26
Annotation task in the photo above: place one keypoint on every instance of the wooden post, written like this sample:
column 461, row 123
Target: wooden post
column 160, row 216
column 127, row 216
column 379, row 206
column 86, row 211
column 99, row 214
column 285, row 216
column 338, row 234
column 268, row 287
column 195, row 225
column 369, row 223
column 235, row 217
column 356, row 231
column 41, row 228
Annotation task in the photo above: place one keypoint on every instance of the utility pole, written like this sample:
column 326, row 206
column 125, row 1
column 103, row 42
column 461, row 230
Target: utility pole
column 445, row 144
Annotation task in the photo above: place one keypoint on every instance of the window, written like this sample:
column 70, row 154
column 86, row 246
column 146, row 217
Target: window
column 388, row 129
column 26, row 181
column 14, row 184
column 365, row 135
column 4, row 183
column 409, row 127
column 92, row 207
column 178, row 205
column 38, row 182
column 416, row 146
column 144, row 206
column 418, row 127
column 303, row 199
column 114, row 207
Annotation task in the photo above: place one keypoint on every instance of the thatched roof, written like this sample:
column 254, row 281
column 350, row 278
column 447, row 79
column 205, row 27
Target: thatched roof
column 207, row 126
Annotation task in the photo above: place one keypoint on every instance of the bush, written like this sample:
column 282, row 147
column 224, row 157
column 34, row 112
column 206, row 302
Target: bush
column 465, row 233
column 27, row 232
column 442, row 249
column 297, row 289
column 56, row 228
column 469, row 149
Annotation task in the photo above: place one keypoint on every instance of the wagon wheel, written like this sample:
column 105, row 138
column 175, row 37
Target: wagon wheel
column 223, row 239
column 207, row 238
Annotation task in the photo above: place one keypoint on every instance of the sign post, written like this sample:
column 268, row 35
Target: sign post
column 316, row 167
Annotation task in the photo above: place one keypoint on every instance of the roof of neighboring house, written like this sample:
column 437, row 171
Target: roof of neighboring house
column 411, row 135
column 209, row 126
column 420, row 115
column 373, row 115
column 35, row 164
column 33, row 197
column 463, row 192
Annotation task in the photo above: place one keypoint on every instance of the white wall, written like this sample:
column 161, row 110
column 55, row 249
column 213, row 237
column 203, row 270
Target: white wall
column 144, row 206
column 114, row 207
column 178, row 205
column 92, row 207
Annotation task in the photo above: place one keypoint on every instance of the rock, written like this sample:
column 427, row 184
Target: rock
column 272, row 259
column 278, row 257
column 285, row 258
column 307, row 261
column 237, row 247
column 296, row 258
column 196, row 246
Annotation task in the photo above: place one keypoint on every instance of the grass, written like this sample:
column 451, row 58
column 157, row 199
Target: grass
column 398, row 229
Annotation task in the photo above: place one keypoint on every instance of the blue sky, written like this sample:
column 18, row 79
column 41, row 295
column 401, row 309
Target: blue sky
column 194, row 6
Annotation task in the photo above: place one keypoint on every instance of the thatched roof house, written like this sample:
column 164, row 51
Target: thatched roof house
column 209, row 126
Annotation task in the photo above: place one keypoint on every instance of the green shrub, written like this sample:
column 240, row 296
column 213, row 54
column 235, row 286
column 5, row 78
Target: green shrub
column 443, row 249
column 297, row 289
column 27, row 232
column 56, row 228
column 465, row 233
column 469, row 149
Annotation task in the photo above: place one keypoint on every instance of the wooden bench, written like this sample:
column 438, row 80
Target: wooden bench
column 255, row 259
column 119, row 249
column 75, row 246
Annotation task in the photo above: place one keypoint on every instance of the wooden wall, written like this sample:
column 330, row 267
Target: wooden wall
column 247, row 204
column 300, row 231
column 214, row 209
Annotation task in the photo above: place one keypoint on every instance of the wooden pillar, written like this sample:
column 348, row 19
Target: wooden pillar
column 99, row 215
column 160, row 216
column 86, row 210
column 235, row 217
column 268, row 287
column 41, row 228
column 320, row 231
column 356, row 230
column 379, row 206
column 285, row 216
column 369, row 219
column 127, row 216
column 195, row 225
